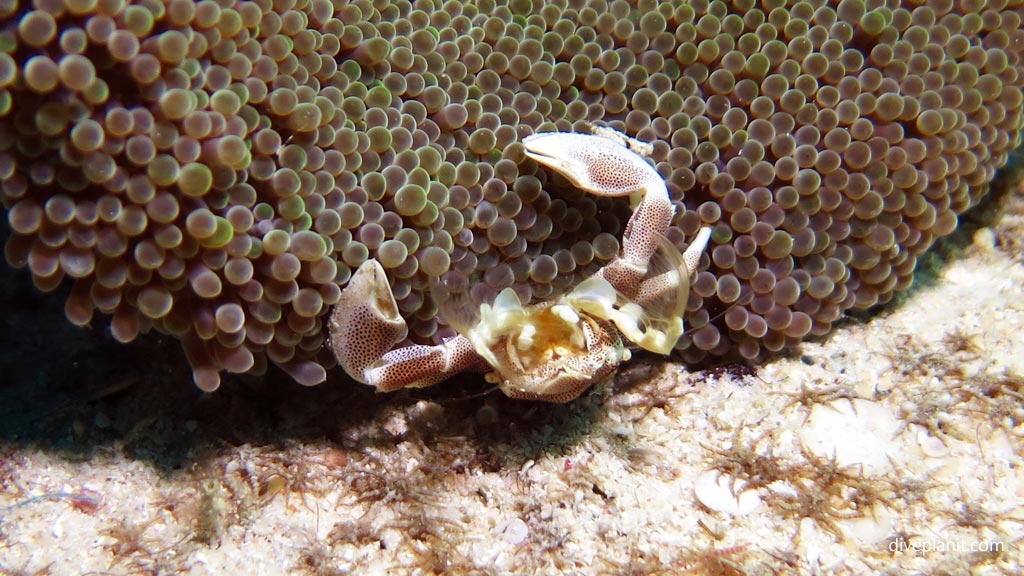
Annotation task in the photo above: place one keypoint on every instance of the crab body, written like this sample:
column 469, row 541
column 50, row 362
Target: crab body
column 551, row 350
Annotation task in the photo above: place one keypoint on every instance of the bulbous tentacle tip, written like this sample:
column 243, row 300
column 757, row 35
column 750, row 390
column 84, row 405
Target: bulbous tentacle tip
column 366, row 322
column 305, row 372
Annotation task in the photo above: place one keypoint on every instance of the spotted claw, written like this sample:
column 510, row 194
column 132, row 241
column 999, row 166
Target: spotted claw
column 366, row 326
column 607, row 163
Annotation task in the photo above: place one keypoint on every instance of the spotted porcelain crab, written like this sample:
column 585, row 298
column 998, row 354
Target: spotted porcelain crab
column 556, row 349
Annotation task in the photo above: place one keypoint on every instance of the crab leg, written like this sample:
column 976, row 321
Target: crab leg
column 366, row 325
column 418, row 365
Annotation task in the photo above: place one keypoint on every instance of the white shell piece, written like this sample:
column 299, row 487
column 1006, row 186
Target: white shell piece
column 783, row 488
column 723, row 493
column 857, row 434
column 513, row 531
column 876, row 525
column 930, row 445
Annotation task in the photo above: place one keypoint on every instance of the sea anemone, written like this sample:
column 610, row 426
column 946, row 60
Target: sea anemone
column 215, row 170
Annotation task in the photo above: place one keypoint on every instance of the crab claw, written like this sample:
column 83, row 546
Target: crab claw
column 592, row 162
column 607, row 163
column 365, row 323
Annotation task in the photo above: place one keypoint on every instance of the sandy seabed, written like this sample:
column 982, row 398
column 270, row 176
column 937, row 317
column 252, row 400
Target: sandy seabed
column 894, row 445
